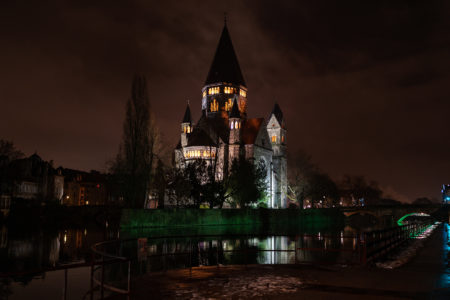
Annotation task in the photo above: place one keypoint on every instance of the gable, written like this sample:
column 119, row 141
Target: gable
column 273, row 122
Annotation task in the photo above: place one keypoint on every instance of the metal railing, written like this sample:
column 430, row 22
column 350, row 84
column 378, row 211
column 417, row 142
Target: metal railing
column 106, row 259
column 375, row 244
column 366, row 247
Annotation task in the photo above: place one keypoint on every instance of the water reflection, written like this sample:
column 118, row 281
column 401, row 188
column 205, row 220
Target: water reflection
column 27, row 254
column 151, row 254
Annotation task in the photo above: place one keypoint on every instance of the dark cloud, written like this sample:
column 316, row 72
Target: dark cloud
column 363, row 84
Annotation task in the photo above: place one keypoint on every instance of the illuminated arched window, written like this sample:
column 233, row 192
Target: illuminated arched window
column 236, row 124
column 204, row 93
column 214, row 105
column 282, row 138
column 232, row 125
column 274, row 138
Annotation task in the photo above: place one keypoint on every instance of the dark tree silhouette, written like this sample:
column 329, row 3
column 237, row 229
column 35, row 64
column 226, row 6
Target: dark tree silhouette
column 247, row 183
column 301, row 169
column 358, row 188
column 8, row 150
column 134, row 162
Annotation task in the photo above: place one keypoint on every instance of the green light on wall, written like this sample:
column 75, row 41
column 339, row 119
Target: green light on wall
column 400, row 221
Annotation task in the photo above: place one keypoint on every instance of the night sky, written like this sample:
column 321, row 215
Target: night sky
column 364, row 85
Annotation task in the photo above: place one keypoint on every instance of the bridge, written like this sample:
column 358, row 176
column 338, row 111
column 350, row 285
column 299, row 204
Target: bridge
column 437, row 211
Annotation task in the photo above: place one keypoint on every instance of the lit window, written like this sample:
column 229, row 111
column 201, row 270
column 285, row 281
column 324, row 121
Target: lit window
column 232, row 125
column 282, row 138
column 229, row 90
column 274, row 138
column 213, row 90
column 204, row 93
column 243, row 93
column 214, row 105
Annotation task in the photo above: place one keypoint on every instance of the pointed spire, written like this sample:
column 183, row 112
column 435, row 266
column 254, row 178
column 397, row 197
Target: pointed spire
column 235, row 110
column 187, row 115
column 225, row 66
column 278, row 113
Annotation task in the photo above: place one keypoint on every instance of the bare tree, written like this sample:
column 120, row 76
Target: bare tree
column 301, row 169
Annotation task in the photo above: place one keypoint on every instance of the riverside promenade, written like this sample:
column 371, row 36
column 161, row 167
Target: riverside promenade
column 426, row 276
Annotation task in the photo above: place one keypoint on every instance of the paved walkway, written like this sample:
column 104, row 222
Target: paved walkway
column 425, row 277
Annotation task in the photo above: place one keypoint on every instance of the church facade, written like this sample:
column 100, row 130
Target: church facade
column 224, row 131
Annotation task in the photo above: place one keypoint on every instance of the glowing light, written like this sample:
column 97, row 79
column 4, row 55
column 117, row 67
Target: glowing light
column 400, row 221
column 213, row 90
column 214, row 105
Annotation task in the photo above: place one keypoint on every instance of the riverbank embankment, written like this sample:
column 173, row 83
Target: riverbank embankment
column 141, row 218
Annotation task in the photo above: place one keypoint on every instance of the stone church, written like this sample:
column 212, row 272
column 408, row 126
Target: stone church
column 224, row 130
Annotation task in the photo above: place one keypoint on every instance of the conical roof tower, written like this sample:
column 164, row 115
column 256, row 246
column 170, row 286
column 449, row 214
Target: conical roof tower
column 225, row 66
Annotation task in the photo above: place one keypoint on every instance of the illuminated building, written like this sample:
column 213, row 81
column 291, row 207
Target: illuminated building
column 83, row 188
column 224, row 131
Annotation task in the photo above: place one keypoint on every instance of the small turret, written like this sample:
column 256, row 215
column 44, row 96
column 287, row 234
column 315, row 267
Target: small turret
column 186, row 126
column 234, row 122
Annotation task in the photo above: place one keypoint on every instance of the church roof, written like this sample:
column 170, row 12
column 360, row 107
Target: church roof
column 225, row 66
column 199, row 137
column 250, row 130
column 187, row 115
column 235, row 110
column 278, row 113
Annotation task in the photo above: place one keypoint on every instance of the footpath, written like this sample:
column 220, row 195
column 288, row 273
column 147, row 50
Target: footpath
column 426, row 276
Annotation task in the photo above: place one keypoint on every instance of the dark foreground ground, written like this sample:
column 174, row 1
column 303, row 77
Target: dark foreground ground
column 425, row 277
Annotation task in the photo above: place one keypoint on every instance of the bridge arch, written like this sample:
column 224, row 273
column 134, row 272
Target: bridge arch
column 419, row 214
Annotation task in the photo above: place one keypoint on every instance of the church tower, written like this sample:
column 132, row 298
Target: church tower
column 234, row 123
column 277, row 133
column 186, row 126
column 224, row 82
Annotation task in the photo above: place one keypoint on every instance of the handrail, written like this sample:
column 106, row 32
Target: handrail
column 369, row 245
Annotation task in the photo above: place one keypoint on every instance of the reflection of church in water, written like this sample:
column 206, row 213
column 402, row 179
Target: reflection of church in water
column 224, row 132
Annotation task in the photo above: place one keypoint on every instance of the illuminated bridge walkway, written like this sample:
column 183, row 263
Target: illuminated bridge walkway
column 438, row 211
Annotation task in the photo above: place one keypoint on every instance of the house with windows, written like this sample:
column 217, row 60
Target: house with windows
column 224, row 131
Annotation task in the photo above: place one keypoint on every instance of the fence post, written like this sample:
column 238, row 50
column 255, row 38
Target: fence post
column 190, row 257
column 364, row 249
column 92, row 275
column 129, row 279
column 217, row 253
column 65, row 284
column 295, row 249
column 103, row 279
column 245, row 253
